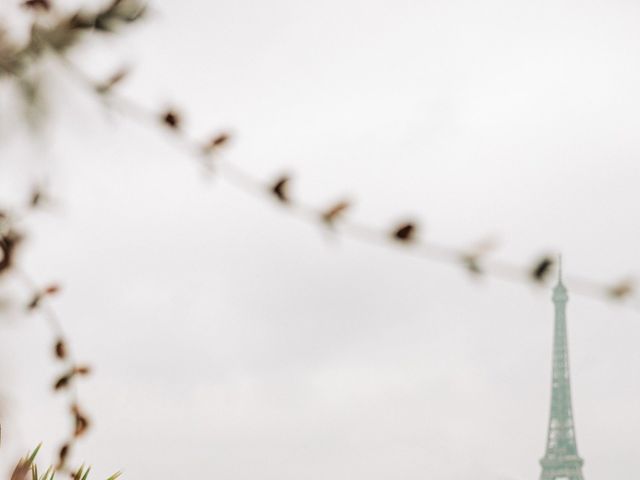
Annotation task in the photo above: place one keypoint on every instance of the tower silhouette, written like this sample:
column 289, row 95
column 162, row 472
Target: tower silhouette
column 561, row 460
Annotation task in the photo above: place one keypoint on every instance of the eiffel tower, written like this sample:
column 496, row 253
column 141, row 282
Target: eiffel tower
column 561, row 460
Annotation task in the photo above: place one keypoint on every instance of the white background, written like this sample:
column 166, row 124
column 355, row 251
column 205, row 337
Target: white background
column 230, row 341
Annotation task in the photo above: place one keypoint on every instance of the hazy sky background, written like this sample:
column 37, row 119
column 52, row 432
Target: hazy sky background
column 231, row 341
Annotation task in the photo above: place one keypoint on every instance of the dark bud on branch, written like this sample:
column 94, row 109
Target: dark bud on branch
column 80, row 420
column 220, row 140
column 472, row 258
column 621, row 290
column 35, row 301
column 405, row 232
column 216, row 142
column 171, row 119
column 52, row 289
column 63, row 381
column 472, row 263
column 335, row 212
column 82, row 370
column 37, row 197
column 280, row 189
column 106, row 86
column 63, row 454
column 541, row 270
column 38, row 296
column 61, row 349
column 9, row 242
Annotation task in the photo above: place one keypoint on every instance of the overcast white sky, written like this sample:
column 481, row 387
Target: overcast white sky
column 233, row 342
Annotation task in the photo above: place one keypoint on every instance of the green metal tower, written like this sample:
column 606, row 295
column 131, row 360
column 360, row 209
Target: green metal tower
column 561, row 460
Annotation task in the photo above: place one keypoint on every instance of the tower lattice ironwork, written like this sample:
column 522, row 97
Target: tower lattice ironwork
column 561, row 460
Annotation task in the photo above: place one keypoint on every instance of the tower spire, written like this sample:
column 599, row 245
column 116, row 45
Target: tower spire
column 561, row 459
column 559, row 268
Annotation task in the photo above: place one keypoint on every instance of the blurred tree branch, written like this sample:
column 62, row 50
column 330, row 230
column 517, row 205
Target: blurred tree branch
column 51, row 33
column 66, row 31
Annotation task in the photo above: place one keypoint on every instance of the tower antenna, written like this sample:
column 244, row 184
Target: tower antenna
column 559, row 268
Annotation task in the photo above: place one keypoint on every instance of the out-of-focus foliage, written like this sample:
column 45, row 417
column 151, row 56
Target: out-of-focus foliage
column 27, row 469
column 61, row 32
column 55, row 33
